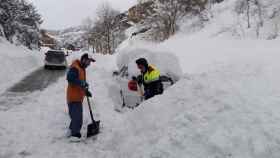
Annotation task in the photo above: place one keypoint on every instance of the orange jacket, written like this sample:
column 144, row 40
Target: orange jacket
column 75, row 93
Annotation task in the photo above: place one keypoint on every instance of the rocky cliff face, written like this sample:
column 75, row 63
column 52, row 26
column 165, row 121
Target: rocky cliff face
column 140, row 11
column 47, row 40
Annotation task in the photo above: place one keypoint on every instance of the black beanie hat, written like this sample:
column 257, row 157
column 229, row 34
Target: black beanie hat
column 86, row 56
column 142, row 61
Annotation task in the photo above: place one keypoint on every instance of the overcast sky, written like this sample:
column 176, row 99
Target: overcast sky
column 59, row 14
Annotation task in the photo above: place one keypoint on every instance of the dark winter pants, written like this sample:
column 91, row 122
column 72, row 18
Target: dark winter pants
column 152, row 89
column 76, row 115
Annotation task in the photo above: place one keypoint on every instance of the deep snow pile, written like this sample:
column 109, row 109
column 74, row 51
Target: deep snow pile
column 16, row 62
column 227, row 107
column 197, row 54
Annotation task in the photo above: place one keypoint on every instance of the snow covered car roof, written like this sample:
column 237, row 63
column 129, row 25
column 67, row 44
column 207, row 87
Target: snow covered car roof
column 55, row 51
column 167, row 63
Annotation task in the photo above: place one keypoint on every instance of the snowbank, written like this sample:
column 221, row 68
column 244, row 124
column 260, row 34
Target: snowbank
column 226, row 105
column 198, row 54
column 227, row 113
column 16, row 62
column 230, row 108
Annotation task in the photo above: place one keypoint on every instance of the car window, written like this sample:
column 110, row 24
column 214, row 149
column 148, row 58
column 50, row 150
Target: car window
column 51, row 56
column 124, row 71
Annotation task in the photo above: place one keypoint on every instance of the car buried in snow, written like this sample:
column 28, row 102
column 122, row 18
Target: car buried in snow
column 167, row 63
column 55, row 59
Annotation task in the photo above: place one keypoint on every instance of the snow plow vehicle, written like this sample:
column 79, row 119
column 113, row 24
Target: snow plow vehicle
column 167, row 63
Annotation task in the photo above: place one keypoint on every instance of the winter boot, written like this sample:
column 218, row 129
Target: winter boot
column 75, row 138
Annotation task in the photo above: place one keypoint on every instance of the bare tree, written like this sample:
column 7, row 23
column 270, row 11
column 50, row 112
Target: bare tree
column 248, row 13
column 169, row 12
column 102, row 34
column 20, row 23
column 254, row 10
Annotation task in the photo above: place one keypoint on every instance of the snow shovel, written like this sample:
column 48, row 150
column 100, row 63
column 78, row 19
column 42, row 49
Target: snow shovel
column 93, row 128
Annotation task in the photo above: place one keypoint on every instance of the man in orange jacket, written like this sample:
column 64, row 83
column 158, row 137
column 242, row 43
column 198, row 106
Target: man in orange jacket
column 76, row 91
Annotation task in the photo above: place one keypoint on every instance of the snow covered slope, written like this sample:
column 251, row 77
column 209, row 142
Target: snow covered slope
column 229, row 19
column 16, row 62
column 227, row 106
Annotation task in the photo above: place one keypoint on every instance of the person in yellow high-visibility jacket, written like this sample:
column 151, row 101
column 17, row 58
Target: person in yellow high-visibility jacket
column 150, row 78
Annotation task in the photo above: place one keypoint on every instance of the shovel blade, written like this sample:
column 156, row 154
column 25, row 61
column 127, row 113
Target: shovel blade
column 93, row 129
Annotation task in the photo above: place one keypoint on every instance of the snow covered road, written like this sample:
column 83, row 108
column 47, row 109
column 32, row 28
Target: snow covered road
column 36, row 81
column 37, row 126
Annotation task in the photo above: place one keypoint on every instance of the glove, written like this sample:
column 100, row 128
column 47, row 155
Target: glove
column 138, row 79
column 88, row 94
column 134, row 78
column 84, row 85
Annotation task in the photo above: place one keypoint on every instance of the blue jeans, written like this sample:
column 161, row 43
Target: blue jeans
column 76, row 116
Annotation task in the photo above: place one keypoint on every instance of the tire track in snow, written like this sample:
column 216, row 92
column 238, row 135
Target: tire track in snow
column 36, row 81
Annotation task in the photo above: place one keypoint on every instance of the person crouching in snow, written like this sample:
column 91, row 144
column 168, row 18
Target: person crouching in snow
column 76, row 91
column 150, row 78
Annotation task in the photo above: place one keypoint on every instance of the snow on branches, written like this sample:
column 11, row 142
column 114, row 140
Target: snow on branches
column 20, row 22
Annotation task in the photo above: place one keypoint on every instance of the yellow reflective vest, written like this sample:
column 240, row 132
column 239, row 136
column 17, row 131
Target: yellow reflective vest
column 151, row 75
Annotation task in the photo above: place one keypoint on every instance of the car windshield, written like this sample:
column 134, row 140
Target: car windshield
column 55, row 56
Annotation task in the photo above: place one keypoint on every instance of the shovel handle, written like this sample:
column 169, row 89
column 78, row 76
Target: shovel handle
column 90, row 111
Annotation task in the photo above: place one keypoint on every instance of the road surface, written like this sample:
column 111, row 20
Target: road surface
column 36, row 81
